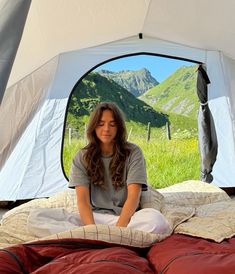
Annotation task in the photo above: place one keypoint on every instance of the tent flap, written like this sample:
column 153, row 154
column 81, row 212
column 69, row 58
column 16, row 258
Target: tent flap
column 206, row 128
column 12, row 20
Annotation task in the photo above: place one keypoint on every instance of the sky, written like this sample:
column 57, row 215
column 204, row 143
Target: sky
column 160, row 67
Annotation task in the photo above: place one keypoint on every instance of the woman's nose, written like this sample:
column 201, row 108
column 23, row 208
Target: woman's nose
column 106, row 126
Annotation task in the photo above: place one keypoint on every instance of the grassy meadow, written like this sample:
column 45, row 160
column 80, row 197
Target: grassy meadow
column 167, row 161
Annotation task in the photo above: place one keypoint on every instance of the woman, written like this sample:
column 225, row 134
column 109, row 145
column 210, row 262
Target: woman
column 109, row 175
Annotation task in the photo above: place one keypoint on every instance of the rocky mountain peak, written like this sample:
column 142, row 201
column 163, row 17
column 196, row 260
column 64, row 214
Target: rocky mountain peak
column 136, row 82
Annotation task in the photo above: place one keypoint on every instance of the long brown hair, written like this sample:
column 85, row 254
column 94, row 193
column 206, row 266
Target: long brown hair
column 92, row 154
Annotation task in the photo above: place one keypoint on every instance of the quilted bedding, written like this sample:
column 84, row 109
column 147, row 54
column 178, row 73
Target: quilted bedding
column 178, row 254
column 181, row 254
column 73, row 256
column 192, row 208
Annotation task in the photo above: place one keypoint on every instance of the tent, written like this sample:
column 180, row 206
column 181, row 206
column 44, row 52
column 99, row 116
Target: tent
column 48, row 45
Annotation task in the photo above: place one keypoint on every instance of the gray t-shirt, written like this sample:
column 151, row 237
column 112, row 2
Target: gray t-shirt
column 110, row 200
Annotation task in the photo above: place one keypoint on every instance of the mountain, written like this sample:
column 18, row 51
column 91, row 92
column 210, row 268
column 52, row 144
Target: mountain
column 95, row 88
column 135, row 81
column 177, row 94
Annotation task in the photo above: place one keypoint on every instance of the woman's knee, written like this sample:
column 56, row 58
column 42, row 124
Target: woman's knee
column 150, row 220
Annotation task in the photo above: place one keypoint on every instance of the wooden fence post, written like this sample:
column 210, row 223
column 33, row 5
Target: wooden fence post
column 129, row 135
column 168, row 131
column 148, row 132
column 70, row 135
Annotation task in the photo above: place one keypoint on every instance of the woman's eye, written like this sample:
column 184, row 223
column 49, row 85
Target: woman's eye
column 113, row 124
column 100, row 124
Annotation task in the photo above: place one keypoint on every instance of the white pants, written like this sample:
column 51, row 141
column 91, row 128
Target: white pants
column 147, row 219
column 46, row 221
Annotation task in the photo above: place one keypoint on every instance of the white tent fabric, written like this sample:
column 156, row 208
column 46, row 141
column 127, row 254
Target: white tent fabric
column 63, row 40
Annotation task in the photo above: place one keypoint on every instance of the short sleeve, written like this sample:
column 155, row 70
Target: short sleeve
column 78, row 174
column 136, row 169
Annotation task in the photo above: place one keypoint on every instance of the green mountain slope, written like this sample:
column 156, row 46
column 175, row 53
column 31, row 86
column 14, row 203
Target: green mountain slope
column 135, row 81
column 95, row 88
column 177, row 94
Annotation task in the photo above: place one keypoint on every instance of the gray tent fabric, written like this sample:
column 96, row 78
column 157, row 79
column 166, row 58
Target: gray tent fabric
column 13, row 15
column 206, row 129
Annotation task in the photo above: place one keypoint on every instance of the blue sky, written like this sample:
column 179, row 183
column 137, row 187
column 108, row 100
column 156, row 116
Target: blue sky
column 160, row 67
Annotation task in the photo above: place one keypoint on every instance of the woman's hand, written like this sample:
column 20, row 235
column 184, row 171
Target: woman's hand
column 131, row 204
column 84, row 206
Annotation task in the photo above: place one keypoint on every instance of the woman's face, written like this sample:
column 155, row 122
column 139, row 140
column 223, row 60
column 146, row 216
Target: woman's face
column 106, row 129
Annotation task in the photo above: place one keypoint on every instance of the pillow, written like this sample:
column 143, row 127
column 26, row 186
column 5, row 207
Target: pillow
column 13, row 229
column 177, row 214
column 64, row 199
column 193, row 193
column 214, row 221
column 151, row 199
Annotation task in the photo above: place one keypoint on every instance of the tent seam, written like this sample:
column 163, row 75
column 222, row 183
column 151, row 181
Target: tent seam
column 146, row 15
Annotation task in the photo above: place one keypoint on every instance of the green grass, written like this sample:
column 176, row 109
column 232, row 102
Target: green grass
column 167, row 161
column 170, row 162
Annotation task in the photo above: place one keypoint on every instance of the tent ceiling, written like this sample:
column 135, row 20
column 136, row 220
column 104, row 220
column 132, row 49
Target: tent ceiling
column 55, row 26
column 206, row 24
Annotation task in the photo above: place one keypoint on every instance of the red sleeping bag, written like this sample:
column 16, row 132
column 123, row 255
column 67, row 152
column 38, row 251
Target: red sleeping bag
column 73, row 256
column 180, row 254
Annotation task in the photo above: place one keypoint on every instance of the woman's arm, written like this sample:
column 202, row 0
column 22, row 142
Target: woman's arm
column 131, row 204
column 84, row 206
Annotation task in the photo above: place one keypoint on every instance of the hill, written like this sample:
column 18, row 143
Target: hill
column 135, row 81
column 177, row 94
column 95, row 88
